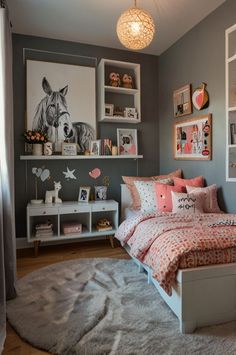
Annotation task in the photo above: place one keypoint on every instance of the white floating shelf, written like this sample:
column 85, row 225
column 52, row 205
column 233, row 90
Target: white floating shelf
column 231, row 59
column 80, row 157
column 232, row 145
column 232, row 108
column 120, row 90
column 119, row 119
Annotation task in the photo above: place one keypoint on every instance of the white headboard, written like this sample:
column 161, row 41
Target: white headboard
column 126, row 200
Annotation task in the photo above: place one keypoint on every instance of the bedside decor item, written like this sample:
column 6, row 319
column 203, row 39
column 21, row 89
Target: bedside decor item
column 109, row 108
column 69, row 174
column 127, row 141
column 100, row 193
column 127, row 81
column 47, row 148
column 69, row 149
column 95, row 173
column 135, row 28
column 192, row 138
column 95, row 147
column 114, row 79
column 200, row 97
column 61, row 102
column 182, row 101
column 52, row 195
column 37, row 138
column 103, row 224
column 84, row 192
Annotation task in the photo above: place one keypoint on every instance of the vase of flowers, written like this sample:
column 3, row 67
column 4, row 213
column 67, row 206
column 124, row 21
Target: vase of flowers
column 37, row 139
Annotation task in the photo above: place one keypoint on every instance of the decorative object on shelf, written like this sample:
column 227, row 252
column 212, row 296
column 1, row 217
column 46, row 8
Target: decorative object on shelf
column 44, row 230
column 95, row 173
column 37, row 149
column 114, row 79
column 43, row 174
column 118, row 111
column 84, row 192
column 37, row 138
column 106, row 146
column 95, row 147
column 87, row 152
column 130, row 112
column 135, row 28
column 52, row 195
column 114, row 150
column 182, row 101
column 109, row 109
column 103, row 224
column 200, row 97
column 127, row 141
column 69, row 148
column 62, row 113
column 100, row 193
column 47, row 148
column 127, row 81
column 232, row 133
column 69, row 174
column 232, row 165
column 192, row 138
column 71, row 228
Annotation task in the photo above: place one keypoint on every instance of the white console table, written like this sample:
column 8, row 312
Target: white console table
column 85, row 213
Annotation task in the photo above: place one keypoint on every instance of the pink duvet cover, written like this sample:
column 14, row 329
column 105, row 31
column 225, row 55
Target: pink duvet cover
column 168, row 240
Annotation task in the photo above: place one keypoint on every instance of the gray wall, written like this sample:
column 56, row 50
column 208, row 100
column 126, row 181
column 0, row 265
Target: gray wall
column 198, row 57
column 147, row 130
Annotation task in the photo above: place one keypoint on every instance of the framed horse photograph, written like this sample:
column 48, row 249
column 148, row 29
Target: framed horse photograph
column 61, row 101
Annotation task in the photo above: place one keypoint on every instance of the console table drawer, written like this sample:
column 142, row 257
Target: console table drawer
column 104, row 207
column 73, row 209
column 43, row 211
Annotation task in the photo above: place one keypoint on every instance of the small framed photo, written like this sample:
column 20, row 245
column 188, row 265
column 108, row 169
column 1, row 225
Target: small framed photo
column 95, row 147
column 109, row 109
column 100, row 193
column 84, row 192
column 127, row 141
column 182, row 101
column 69, row 149
column 130, row 112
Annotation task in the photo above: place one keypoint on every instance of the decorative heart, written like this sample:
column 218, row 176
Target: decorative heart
column 95, row 173
column 38, row 172
column 199, row 99
column 45, row 175
column 34, row 170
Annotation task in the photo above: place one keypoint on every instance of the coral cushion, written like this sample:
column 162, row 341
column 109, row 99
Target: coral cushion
column 211, row 203
column 188, row 203
column 129, row 181
column 197, row 182
column 163, row 195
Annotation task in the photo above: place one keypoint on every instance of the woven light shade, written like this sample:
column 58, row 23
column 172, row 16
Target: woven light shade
column 135, row 28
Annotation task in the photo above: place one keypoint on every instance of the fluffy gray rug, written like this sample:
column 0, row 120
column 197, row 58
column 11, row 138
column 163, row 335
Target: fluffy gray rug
column 104, row 306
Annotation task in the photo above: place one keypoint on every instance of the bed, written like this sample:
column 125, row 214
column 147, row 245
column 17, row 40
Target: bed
column 201, row 296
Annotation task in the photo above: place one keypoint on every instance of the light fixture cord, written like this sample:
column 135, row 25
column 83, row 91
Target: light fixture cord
column 135, row 3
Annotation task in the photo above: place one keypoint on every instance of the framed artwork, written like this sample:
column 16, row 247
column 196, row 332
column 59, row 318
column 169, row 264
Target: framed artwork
column 84, row 192
column 192, row 138
column 127, row 141
column 182, row 101
column 109, row 109
column 69, row 149
column 61, row 101
column 95, row 147
column 100, row 193
column 130, row 112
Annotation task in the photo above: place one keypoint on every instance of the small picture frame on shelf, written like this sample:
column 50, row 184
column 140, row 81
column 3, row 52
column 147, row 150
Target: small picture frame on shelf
column 84, row 192
column 127, row 141
column 100, row 193
column 69, row 149
column 109, row 109
column 95, row 147
column 130, row 112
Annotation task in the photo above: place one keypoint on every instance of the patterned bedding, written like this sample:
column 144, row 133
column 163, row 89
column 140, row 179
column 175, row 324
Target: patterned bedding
column 167, row 242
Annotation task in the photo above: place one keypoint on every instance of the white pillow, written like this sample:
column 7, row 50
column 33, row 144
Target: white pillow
column 188, row 203
column 147, row 194
column 211, row 203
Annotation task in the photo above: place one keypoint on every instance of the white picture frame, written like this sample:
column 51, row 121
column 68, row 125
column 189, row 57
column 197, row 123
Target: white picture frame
column 130, row 112
column 84, row 192
column 73, row 89
column 69, row 149
column 109, row 109
column 95, row 147
column 100, row 193
column 127, row 141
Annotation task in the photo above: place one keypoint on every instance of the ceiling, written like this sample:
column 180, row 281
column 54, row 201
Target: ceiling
column 94, row 21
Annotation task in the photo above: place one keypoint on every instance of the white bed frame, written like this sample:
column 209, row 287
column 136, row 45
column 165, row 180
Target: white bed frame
column 202, row 296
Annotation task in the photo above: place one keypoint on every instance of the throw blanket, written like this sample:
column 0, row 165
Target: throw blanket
column 170, row 236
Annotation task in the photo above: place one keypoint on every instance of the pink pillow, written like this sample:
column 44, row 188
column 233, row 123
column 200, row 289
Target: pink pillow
column 129, row 181
column 197, row 182
column 188, row 203
column 211, row 203
column 163, row 195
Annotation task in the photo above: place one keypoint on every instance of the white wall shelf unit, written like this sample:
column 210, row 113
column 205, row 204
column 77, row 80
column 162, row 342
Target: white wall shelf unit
column 87, row 214
column 118, row 96
column 81, row 157
column 230, row 81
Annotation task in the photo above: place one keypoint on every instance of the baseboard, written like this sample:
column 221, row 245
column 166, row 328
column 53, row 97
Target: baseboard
column 22, row 243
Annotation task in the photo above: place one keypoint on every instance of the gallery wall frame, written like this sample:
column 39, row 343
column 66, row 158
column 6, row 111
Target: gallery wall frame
column 193, row 138
column 182, row 101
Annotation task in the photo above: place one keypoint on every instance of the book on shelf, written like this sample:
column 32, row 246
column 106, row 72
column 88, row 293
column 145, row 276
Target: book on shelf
column 44, row 226
column 42, row 234
column 104, row 228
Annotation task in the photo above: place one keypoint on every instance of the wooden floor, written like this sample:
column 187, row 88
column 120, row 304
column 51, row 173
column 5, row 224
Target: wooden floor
column 26, row 263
